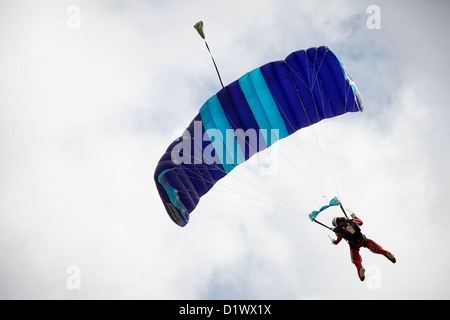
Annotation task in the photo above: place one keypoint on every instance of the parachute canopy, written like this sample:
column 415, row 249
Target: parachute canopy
column 249, row 115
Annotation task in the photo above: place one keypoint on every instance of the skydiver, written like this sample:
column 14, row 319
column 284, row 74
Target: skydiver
column 350, row 231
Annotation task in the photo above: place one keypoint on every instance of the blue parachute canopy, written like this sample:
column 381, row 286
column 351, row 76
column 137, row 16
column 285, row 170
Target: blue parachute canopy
column 334, row 202
column 249, row 115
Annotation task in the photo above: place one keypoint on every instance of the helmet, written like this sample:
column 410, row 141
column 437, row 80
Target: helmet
column 336, row 220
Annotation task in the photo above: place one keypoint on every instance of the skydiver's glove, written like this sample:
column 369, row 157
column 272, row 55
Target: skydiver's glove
column 332, row 240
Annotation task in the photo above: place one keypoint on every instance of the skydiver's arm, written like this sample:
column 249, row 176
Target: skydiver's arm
column 339, row 238
column 357, row 220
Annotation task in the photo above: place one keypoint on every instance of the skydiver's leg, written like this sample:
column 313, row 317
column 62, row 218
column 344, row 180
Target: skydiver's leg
column 357, row 261
column 376, row 248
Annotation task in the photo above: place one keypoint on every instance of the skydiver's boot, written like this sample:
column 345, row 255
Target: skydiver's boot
column 361, row 274
column 391, row 257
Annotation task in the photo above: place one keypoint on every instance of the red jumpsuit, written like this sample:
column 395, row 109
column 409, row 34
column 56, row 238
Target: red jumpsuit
column 354, row 247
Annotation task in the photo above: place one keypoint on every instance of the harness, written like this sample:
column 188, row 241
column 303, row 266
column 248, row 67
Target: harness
column 351, row 232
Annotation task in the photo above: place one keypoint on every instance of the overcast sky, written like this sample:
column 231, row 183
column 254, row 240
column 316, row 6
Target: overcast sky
column 93, row 92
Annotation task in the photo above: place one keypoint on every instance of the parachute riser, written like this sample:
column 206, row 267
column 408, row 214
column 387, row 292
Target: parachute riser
column 323, row 225
column 343, row 210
